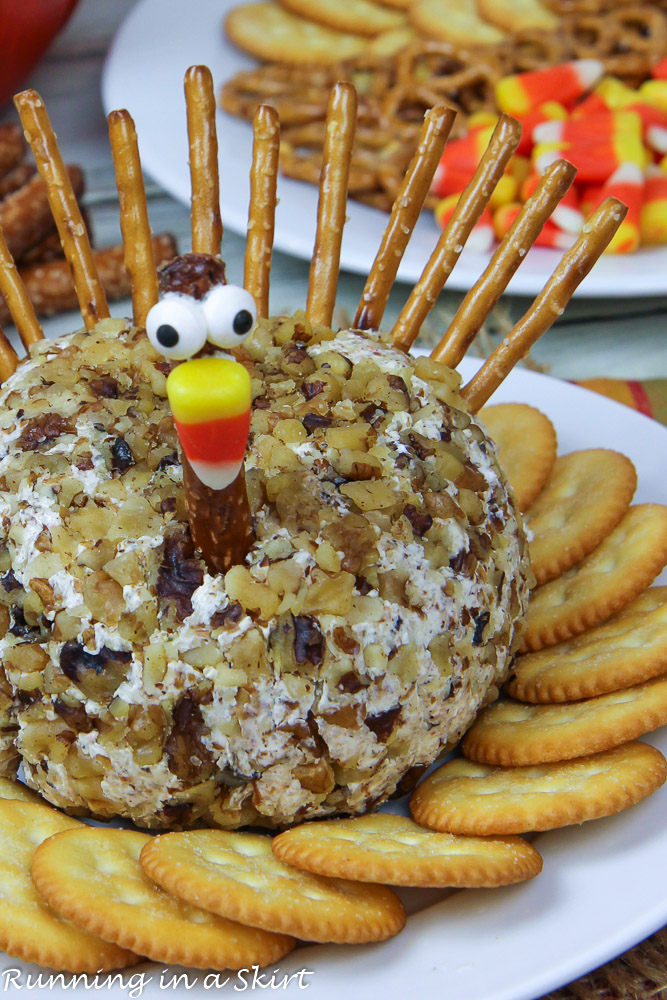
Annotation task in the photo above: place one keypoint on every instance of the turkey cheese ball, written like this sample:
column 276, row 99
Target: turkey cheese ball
column 378, row 609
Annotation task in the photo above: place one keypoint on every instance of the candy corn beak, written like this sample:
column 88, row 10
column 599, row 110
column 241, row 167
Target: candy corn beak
column 210, row 401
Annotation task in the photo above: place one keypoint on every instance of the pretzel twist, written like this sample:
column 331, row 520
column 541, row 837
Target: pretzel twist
column 16, row 299
column 203, row 140
column 136, row 230
column 469, row 208
column 549, row 304
column 64, row 207
column 49, row 285
column 486, row 291
column 404, row 214
column 323, row 278
column 12, row 147
column 262, row 213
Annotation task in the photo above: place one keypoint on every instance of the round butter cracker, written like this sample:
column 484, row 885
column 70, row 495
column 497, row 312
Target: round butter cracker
column 623, row 565
column 526, row 443
column 359, row 17
column 237, row 875
column 92, row 877
column 387, row 848
column 29, row 929
column 456, row 21
column 470, row 799
column 628, row 649
column 268, row 31
column 513, row 733
column 585, row 497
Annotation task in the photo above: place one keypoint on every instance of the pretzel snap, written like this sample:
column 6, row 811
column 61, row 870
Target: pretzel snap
column 486, row 291
column 205, row 180
column 404, row 214
column 323, row 278
column 66, row 212
column 549, row 304
column 136, row 230
column 471, row 204
column 261, row 218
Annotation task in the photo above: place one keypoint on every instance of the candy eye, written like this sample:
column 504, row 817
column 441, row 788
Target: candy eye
column 176, row 327
column 230, row 313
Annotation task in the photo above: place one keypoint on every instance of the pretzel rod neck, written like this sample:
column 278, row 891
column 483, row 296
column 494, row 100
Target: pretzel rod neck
column 404, row 214
column 323, row 277
column 261, row 218
column 549, row 304
column 137, row 245
column 486, row 291
column 471, row 204
column 64, row 207
column 17, row 301
column 203, row 140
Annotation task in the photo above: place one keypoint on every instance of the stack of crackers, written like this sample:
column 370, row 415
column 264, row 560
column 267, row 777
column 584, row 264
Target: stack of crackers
column 558, row 747
column 325, row 31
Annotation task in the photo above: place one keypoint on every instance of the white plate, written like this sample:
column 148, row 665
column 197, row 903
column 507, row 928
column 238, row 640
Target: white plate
column 144, row 73
column 604, row 884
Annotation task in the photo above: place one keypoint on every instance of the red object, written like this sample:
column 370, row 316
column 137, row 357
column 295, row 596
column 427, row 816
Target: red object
column 460, row 161
column 28, row 27
column 222, row 440
column 659, row 71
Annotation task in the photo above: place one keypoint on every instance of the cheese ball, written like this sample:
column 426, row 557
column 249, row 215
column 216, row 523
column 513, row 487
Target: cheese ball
column 376, row 612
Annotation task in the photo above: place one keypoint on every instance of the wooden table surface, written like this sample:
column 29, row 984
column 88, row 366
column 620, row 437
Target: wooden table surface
column 617, row 338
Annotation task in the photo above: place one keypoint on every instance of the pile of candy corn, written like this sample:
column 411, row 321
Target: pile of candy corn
column 615, row 136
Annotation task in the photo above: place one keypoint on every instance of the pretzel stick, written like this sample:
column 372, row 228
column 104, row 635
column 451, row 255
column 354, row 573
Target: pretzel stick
column 338, row 140
column 202, row 136
column 136, row 230
column 471, row 204
column 404, row 214
column 16, row 299
column 549, row 304
column 25, row 215
column 50, row 286
column 73, row 235
column 12, row 147
column 486, row 291
column 261, row 219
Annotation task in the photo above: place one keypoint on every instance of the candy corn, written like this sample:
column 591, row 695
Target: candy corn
column 653, row 216
column 210, row 401
column 596, row 146
column 614, row 134
column 659, row 71
column 627, row 184
column 549, row 111
column 459, row 161
column 654, row 92
column 481, row 237
column 521, row 93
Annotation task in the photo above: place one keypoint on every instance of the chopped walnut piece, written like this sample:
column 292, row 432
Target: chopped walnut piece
column 43, row 429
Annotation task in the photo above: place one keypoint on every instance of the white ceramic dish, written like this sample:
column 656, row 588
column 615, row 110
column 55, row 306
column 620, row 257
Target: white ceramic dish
column 144, row 73
column 604, row 884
